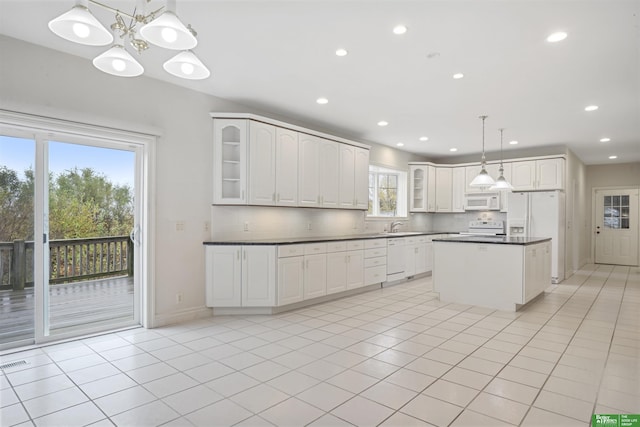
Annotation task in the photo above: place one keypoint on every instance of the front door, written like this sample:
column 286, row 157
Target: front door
column 616, row 226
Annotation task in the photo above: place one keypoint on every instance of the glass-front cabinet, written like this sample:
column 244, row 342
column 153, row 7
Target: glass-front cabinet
column 418, row 188
column 230, row 161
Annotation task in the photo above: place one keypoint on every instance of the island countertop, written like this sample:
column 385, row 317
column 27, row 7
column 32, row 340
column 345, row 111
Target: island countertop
column 498, row 240
column 294, row 240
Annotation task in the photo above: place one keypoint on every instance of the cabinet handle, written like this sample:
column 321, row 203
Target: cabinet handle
column 278, row 198
column 303, row 264
column 318, row 199
column 322, row 200
column 348, row 259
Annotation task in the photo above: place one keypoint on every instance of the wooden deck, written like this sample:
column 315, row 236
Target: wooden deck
column 81, row 303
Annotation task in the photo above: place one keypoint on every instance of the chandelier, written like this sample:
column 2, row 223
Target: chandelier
column 161, row 27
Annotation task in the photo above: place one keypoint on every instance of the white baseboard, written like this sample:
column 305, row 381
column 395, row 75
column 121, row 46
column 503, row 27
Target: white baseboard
column 181, row 316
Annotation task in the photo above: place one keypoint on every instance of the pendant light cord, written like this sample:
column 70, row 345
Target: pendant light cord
column 483, row 158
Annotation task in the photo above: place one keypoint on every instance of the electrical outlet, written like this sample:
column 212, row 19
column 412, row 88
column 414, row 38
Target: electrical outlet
column 246, row 226
column 207, row 226
column 180, row 225
column 308, row 226
column 179, row 298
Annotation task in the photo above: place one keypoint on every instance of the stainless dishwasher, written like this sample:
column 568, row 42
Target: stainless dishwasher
column 395, row 259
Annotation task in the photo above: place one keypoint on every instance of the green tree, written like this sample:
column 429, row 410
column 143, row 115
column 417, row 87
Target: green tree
column 16, row 205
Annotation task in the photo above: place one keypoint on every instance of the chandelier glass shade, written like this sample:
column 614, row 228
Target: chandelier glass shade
column 164, row 29
column 483, row 180
column 501, row 182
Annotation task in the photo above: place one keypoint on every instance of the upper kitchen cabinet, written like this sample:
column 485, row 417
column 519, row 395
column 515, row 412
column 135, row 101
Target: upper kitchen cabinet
column 230, row 161
column 273, row 165
column 458, row 186
column 354, row 171
column 319, row 177
column 444, row 189
column 418, row 188
column 544, row 174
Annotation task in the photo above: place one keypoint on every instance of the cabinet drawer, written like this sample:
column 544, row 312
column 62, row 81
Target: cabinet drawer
column 285, row 251
column 340, row 246
column 374, row 262
column 315, row 248
column 375, row 252
column 354, row 245
column 375, row 275
column 375, row 243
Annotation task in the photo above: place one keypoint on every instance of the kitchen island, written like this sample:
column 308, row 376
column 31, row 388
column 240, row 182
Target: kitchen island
column 496, row 272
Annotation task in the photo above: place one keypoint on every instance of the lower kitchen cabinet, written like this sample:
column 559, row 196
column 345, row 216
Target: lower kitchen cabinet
column 315, row 276
column 240, row 276
column 290, row 280
column 355, row 269
column 336, row 272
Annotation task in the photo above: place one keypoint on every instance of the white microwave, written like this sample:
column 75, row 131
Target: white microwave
column 482, row 202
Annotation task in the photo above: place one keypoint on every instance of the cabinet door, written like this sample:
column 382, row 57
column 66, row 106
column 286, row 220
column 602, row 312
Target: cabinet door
column 417, row 188
column 428, row 253
column 223, row 276
column 523, row 175
column 315, row 276
column 431, row 189
column 329, row 174
column 286, row 167
column 258, row 276
column 290, row 280
column 421, row 258
column 550, row 174
column 262, row 164
column 347, row 176
column 308, row 171
column 336, row 272
column 355, row 269
column 444, row 177
column 361, row 184
column 229, row 161
column 457, row 189
column 409, row 260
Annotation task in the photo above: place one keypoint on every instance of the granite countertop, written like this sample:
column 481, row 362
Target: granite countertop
column 293, row 240
column 498, row 240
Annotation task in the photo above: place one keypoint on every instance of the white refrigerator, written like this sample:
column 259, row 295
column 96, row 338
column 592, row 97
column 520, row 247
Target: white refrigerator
column 540, row 214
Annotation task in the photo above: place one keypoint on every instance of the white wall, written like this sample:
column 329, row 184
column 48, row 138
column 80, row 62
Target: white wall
column 577, row 239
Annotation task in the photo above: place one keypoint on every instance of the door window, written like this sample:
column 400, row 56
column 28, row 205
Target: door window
column 616, row 212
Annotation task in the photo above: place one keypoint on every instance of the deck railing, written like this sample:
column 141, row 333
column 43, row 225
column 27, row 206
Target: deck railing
column 69, row 260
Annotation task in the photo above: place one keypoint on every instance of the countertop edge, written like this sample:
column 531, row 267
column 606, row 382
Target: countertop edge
column 490, row 241
column 320, row 239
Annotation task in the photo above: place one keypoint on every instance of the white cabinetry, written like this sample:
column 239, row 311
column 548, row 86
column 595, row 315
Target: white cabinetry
column 240, row 276
column 319, row 172
column 415, row 256
column 458, row 186
column 417, row 188
column 431, row 189
column 347, row 176
column 290, row 280
column 229, row 161
column 444, row 193
column 286, row 167
column 329, row 174
column 375, row 261
column 544, row 174
column 345, row 266
column 362, row 178
column 262, row 164
column 315, row 276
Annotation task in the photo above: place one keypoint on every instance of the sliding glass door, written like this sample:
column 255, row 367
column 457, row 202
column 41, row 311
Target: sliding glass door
column 70, row 239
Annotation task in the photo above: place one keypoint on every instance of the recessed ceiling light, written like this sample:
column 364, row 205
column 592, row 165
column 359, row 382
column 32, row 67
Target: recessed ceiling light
column 557, row 37
column 400, row 144
column 613, row 157
column 453, row 149
column 458, row 76
column 341, row 52
column 382, row 123
column 322, row 101
column 423, row 138
column 399, row 29
column 591, row 108
column 513, row 142
column 605, row 139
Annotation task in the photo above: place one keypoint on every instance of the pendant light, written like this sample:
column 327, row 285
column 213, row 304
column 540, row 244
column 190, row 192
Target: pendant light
column 168, row 31
column 501, row 182
column 187, row 66
column 117, row 61
column 483, row 180
column 80, row 26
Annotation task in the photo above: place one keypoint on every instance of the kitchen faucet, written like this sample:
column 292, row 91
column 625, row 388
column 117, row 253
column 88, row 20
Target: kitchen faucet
column 394, row 225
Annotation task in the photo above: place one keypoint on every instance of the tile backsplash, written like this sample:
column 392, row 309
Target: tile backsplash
column 265, row 222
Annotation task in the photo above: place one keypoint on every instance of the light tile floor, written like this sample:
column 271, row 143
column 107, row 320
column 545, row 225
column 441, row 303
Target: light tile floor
column 392, row 357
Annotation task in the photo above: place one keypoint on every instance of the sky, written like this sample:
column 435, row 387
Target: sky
column 117, row 165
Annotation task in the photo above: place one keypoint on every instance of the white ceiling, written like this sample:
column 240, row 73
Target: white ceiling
column 280, row 57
